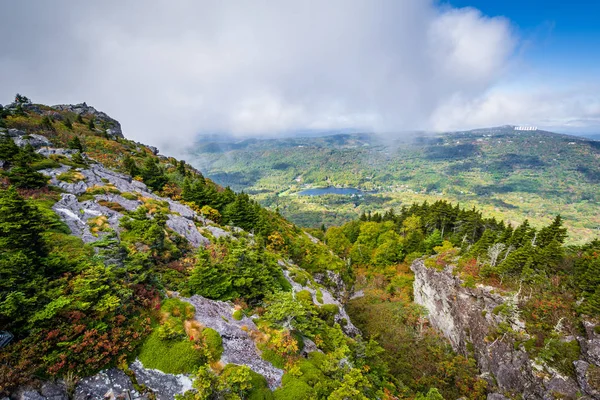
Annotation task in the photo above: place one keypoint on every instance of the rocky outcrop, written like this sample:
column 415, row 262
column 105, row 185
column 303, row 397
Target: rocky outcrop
column 164, row 386
column 326, row 297
column 111, row 126
column 238, row 346
column 22, row 139
column 77, row 216
column 468, row 317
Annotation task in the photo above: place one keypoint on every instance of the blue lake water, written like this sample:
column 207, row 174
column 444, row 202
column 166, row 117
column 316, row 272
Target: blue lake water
column 329, row 190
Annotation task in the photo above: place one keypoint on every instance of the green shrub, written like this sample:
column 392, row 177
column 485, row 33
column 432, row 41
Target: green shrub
column 305, row 296
column 46, row 163
column 560, row 355
column 214, row 343
column 260, row 389
column 294, row 388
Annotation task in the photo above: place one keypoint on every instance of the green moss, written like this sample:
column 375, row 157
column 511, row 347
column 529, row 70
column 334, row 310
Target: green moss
column 129, row 195
column 299, row 277
column 238, row 315
column 260, row 389
column 286, row 286
column 498, row 309
column 71, row 176
column 294, row 388
column 170, row 356
column 319, row 296
column 305, row 296
column 274, row 358
column 214, row 343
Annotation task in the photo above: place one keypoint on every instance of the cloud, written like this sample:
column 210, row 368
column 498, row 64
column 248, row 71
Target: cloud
column 171, row 70
column 573, row 110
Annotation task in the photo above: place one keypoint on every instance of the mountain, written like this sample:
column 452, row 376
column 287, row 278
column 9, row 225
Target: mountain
column 127, row 274
column 507, row 173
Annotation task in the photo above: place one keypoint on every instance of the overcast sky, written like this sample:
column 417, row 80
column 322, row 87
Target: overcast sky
column 170, row 70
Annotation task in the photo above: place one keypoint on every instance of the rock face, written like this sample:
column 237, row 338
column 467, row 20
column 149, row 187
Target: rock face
column 341, row 317
column 238, row 346
column 76, row 214
column 112, row 126
column 164, row 386
column 466, row 317
column 22, row 139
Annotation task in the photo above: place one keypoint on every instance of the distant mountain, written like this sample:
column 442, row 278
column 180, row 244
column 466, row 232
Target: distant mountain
column 510, row 173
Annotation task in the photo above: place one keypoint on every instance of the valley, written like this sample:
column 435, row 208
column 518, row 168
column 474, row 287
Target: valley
column 509, row 174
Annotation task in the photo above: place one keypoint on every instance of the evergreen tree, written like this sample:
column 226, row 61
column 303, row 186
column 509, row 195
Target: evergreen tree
column 153, row 175
column 91, row 125
column 22, row 175
column 79, row 119
column 8, row 149
column 181, row 167
column 75, row 144
column 68, row 124
column 554, row 231
column 130, row 166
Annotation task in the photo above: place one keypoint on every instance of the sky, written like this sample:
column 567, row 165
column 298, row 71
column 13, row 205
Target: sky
column 172, row 70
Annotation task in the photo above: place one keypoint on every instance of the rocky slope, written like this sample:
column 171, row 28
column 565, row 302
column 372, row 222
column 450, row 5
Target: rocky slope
column 469, row 318
column 97, row 193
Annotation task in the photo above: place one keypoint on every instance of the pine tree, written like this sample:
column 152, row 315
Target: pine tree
column 181, row 167
column 8, row 149
column 79, row 119
column 91, row 125
column 22, row 175
column 153, row 176
column 75, row 144
column 554, row 231
column 68, row 124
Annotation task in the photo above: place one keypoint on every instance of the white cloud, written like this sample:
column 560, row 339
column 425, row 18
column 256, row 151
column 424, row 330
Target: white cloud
column 171, row 70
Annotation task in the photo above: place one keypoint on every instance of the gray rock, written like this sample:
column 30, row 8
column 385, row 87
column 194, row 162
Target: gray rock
column 217, row 232
column 36, row 141
column 15, row 132
column 187, row 229
column 114, row 127
column 581, row 369
column 27, row 393
column 127, row 204
column 465, row 316
column 164, row 386
column 76, row 215
column 341, row 317
column 496, row 396
column 47, row 151
column 590, row 346
column 111, row 384
column 153, row 149
column 54, row 391
column 309, row 347
column 238, row 347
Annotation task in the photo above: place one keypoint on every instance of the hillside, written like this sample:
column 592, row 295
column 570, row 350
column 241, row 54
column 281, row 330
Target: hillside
column 509, row 174
column 127, row 273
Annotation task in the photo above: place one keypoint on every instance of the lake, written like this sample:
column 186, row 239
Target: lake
column 329, row 190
